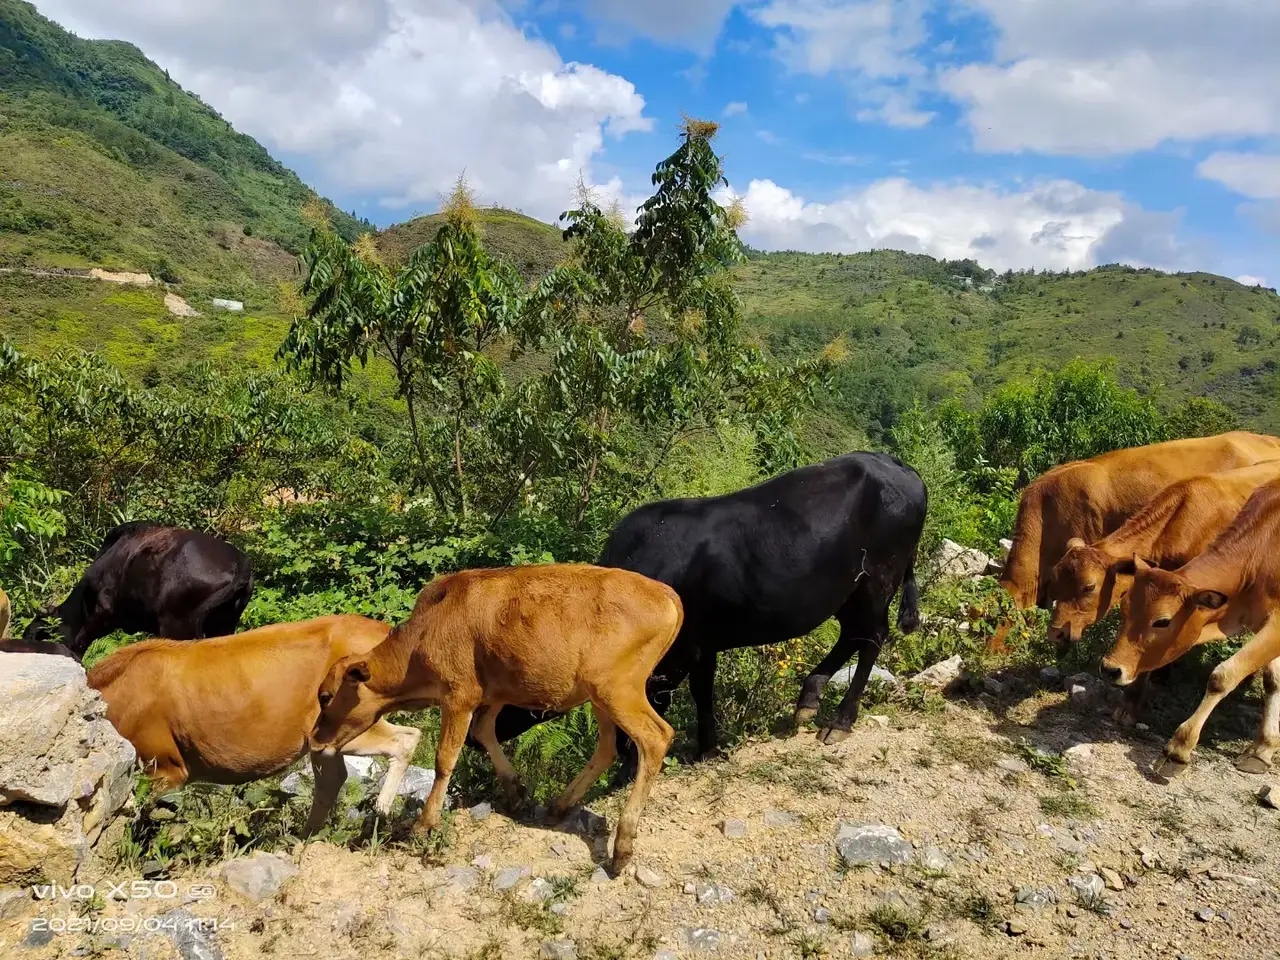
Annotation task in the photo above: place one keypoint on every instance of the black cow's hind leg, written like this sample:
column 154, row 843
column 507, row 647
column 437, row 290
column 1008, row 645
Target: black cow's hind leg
column 847, row 714
column 820, row 676
column 702, row 686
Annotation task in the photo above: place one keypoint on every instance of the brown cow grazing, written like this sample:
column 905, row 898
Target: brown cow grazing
column 234, row 709
column 1089, row 499
column 547, row 637
column 1232, row 587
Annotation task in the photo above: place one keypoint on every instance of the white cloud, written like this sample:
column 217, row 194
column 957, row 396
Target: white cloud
column 392, row 98
column 1248, row 280
column 872, row 44
column 1255, row 175
column 735, row 109
column 1055, row 224
column 1093, row 77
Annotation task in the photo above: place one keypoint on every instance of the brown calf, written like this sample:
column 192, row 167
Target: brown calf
column 1089, row 499
column 546, row 637
column 235, row 709
column 6, row 614
column 1232, row 587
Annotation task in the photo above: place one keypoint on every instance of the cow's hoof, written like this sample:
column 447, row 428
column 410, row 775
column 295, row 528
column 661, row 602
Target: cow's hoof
column 832, row 735
column 1124, row 716
column 1252, row 763
column 1167, row 768
column 516, row 796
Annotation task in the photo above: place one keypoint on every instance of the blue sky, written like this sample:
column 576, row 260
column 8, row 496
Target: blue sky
column 1019, row 132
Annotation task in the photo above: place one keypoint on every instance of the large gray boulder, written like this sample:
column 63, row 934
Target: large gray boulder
column 959, row 562
column 64, row 771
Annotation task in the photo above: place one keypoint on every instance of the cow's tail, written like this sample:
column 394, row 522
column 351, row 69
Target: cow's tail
column 909, row 601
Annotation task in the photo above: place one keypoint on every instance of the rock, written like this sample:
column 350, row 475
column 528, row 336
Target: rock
column 861, row 945
column 562, row 849
column 1081, row 755
column 1268, row 799
column 860, row 844
column 233, row 306
column 1126, row 924
column 35, row 939
column 878, row 720
column 417, row 783
column 935, row 934
column 585, row 823
column 994, row 687
column 1204, row 915
column 649, row 878
column 780, row 818
column 538, row 890
column 189, row 936
column 461, row 878
column 664, row 955
column 258, row 877
column 57, row 751
column 1032, row 900
column 13, row 903
column 558, row 950
column 1015, row 927
column 483, row 862
column 1088, row 887
column 934, row 859
column 1044, row 831
column 959, row 562
column 480, row 811
column 702, row 938
column 1012, row 765
column 943, row 675
column 713, row 893
column 360, row 768
column 295, row 784
column 690, row 887
column 822, row 915
column 844, row 676
column 1111, row 878
column 510, row 878
column 1006, row 546
column 734, row 829
column 1050, row 677
column 1085, row 689
column 599, row 875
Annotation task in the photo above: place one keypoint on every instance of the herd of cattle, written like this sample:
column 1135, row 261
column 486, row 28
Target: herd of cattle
column 1176, row 534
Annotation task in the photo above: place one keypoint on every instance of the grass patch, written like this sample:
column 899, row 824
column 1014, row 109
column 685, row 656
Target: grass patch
column 1051, row 765
column 1067, row 805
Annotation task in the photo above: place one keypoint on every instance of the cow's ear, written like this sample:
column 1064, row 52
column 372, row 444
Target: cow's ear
column 1140, row 565
column 1125, row 567
column 357, row 673
column 1210, row 599
column 1075, row 543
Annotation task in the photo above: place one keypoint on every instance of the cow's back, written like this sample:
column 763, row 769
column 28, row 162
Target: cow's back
column 775, row 560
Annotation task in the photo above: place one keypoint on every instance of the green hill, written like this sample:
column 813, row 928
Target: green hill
column 106, row 162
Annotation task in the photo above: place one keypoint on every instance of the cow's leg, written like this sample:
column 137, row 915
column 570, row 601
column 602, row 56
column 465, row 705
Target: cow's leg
column 455, row 719
column 510, row 722
column 1226, row 676
column 817, row 680
column 1257, row 759
column 482, row 731
column 702, row 687
column 1134, row 703
column 661, row 690
column 869, row 625
column 606, row 750
column 396, row 743
column 632, row 712
column 330, row 774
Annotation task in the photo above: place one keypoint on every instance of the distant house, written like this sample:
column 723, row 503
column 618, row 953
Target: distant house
column 235, row 306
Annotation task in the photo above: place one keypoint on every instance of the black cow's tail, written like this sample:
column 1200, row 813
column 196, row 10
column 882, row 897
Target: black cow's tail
column 909, row 601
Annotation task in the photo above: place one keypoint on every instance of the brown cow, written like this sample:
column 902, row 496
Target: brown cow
column 6, row 614
column 238, row 708
column 1089, row 499
column 1232, row 587
column 546, row 637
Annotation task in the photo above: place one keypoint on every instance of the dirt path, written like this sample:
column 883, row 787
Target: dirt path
column 1007, row 858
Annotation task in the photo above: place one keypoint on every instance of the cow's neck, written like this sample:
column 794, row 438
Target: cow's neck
column 398, row 670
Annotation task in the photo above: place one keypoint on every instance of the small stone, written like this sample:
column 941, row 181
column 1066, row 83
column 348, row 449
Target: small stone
column 13, row 901
column 483, row 862
column 189, row 936
column 1268, row 799
column 1012, row 765
column 822, row 915
column 860, row 844
column 562, row 849
column 1204, row 915
column 1073, row 912
column 1050, row 677
column 558, row 950
column 539, row 889
column 702, row 938
column 461, row 878
column 599, row 875
column 1111, row 878
column 935, row 934
column 360, row 768
column 690, row 887
column 37, row 938
column 294, row 784
column 934, row 859
column 1031, row 900
column 734, row 829
column 942, row 675
column 258, row 877
column 861, row 945
column 481, row 811
column 713, row 893
column 780, row 818
column 1044, row 831
column 559, row 909
column 1142, row 727
column 878, row 720
column 1088, row 887
column 1126, row 924
column 510, row 877
column 1015, row 927
column 664, row 955
column 994, row 687
column 649, row 878
column 1081, row 755
column 587, row 823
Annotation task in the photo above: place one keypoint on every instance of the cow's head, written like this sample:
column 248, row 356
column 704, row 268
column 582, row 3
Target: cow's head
column 48, row 626
column 1164, row 617
column 347, row 706
column 1085, row 584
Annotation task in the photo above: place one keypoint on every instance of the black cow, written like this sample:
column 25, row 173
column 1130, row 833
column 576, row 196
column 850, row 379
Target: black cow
column 147, row 578
column 773, row 562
